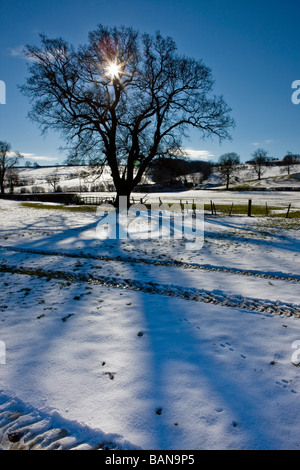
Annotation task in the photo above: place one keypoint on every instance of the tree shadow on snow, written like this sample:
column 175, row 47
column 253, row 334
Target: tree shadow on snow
column 185, row 382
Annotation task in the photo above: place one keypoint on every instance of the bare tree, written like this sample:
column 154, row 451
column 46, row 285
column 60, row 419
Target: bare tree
column 228, row 166
column 8, row 160
column 53, row 180
column 12, row 179
column 290, row 159
column 123, row 99
column 259, row 161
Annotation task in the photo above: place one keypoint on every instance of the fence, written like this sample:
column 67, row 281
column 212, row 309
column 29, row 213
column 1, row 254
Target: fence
column 213, row 208
column 96, row 200
column 249, row 209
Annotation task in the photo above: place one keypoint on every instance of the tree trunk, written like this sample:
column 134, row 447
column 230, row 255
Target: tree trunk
column 259, row 173
column 122, row 200
column 227, row 181
column 124, row 188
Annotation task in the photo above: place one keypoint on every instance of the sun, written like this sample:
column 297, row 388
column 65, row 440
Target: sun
column 113, row 70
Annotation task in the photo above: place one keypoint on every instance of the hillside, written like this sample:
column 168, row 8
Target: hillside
column 274, row 177
column 79, row 179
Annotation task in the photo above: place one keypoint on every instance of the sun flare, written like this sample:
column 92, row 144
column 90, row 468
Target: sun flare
column 113, row 70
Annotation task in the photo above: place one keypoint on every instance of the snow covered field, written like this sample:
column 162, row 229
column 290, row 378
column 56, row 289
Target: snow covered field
column 142, row 344
column 72, row 178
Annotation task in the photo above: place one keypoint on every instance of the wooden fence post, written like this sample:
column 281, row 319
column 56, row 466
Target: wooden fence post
column 249, row 207
column 288, row 211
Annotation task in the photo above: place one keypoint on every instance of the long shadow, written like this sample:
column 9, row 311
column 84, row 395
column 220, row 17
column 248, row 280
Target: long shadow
column 179, row 366
column 183, row 370
column 71, row 239
column 60, row 225
column 283, row 242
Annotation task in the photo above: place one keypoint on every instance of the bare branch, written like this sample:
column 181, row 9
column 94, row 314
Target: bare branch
column 130, row 117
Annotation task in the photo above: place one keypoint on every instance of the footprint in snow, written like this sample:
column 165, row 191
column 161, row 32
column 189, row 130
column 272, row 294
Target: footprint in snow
column 184, row 319
column 111, row 375
column 227, row 345
column 285, row 384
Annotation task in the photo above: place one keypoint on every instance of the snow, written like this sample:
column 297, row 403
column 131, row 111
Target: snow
column 272, row 177
column 69, row 178
column 78, row 178
column 142, row 344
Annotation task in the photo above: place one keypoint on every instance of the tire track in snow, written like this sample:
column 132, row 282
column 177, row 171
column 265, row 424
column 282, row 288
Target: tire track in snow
column 23, row 427
column 192, row 294
column 182, row 264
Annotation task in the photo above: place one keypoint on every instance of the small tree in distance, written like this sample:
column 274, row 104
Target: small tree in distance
column 12, row 179
column 259, row 161
column 122, row 100
column 8, row 161
column 290, row 159
column 53, row 180
column 228, row 166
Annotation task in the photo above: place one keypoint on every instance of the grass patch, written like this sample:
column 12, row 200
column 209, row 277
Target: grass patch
column 292, row 215
column 256, row 210
column 59, row 207
column 221, row 209
column 242, row 187
column 241, row 209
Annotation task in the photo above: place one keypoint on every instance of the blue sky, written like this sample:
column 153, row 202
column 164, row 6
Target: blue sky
column 252, row 48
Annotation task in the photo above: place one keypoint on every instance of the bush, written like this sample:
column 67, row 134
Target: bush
column 38, row 189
